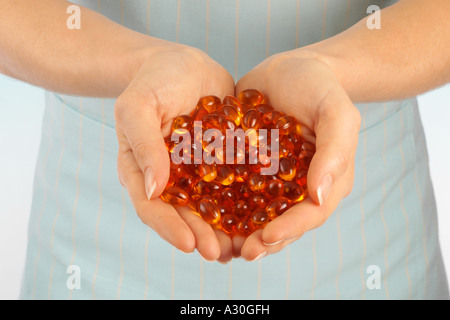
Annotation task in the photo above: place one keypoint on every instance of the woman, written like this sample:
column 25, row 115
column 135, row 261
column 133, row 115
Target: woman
column 117, row 74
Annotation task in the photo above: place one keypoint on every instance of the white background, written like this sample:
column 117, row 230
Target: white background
column 21, row 111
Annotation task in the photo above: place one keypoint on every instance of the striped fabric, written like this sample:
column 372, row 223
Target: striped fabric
column 381, row 243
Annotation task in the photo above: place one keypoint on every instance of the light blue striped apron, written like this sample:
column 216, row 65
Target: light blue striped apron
column 86, row 241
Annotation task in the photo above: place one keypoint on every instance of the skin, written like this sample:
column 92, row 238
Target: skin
column 155, row 80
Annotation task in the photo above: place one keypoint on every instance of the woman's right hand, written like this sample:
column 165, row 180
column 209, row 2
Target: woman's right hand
column 169, row 83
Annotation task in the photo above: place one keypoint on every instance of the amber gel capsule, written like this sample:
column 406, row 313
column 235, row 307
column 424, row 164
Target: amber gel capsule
column 175, row 196
column 208, row 210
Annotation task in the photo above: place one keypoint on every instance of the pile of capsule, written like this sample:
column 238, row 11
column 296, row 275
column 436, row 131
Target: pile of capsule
column 237, row 198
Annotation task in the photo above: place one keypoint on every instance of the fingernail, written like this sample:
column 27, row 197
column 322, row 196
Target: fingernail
column 324, row 188
column 260, row 256
column 150, row 182
column 273, row 243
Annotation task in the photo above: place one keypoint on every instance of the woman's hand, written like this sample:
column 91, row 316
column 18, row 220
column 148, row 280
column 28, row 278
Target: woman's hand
column 300, row 84
column 168, row 84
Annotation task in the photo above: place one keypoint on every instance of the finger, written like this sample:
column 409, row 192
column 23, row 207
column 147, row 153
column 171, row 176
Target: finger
column 237, row 241
column 226, row 246
column 206, row 239
column 141, row 127
column 158, row 215
column 336, row 128
column 253, row 247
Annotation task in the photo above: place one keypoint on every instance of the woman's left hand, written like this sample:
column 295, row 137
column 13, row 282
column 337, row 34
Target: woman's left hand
column 300, row 84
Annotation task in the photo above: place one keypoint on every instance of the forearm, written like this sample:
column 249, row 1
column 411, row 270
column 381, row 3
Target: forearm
column 409, row 55
column 99, row 59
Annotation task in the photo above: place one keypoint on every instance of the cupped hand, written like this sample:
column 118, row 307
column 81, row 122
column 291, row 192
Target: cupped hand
column 301, row 84
column 169, row 83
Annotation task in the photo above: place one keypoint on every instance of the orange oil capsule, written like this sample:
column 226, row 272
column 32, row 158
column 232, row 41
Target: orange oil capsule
column 232, row 113
column 300, row 176
column 286, row 169
column 245, row 227
column 175, row 196
column 251, row 97
column 185, row 183
column 285, row 125
column 226, row 123
column 256, row 200
column 308, row 146
column 232, row 100
column 207, row 172
column 182, row 122
column 241, row 209
column 229, row 223
column 211, row 121
column 256, row 182
column 269, row 119
column 304, row 158
column 199, row 113
column 278, row 207
column 259, row 218
column 213, row 187
column 228, row 197
column 263, row 108
column 225, row 175
column 251, row 120
column 242, row 189
column 224, row 210
column 274, row 189
column 210, row 103
column 241, row 172
column 293, row 191
column 208, row 210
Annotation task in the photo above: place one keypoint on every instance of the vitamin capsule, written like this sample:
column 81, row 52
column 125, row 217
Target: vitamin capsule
column 232, row 113
column 285, row 125
column 245, row 227
column 274, row 189
column 224, row 210
column 199, row 113
column 206, row 172
column 241, row 209
column 263, row 108
column 208, row 210
column 232, row 100
column 251, row 97
column 210, row 103
column 175, row 196
column 259, row 218
column 270, row 118
column 293, row 191
column 228, row 196
column 300, row 176
column 182, row 122
column 185, row 183
column 278, row 207
column 226, row 123
column 256, row 182
column 229, row 223
column 211, row 121
column 240, row 172
column 304, row 158
column 256, row 200
column 287, row 169
column 224, row 175
column 251, row 120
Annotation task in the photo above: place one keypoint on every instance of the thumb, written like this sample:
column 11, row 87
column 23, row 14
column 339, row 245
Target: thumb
column 141, row 128
column 336, row 127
